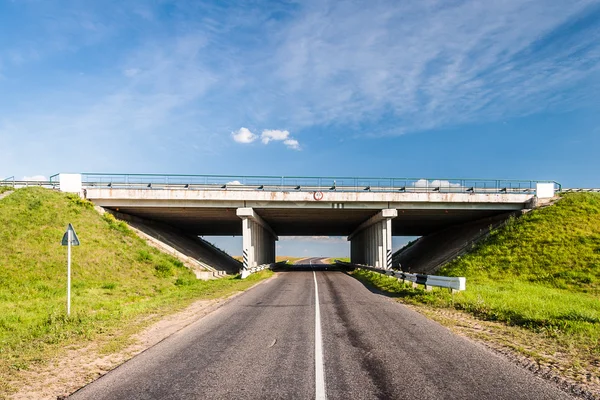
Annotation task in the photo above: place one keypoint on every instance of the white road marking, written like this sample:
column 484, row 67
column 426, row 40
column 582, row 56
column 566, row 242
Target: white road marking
column 319, row 369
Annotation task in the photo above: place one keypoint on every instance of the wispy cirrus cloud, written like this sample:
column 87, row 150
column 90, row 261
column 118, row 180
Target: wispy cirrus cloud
column 433, row 64
column 206, row 69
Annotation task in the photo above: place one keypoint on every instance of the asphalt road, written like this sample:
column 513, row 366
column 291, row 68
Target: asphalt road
column 268, row 344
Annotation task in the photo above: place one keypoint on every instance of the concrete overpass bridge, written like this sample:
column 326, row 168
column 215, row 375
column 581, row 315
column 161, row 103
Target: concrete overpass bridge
column 368, row 211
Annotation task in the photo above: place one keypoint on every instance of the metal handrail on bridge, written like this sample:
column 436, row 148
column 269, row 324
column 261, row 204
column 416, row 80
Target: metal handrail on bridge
column 303, row 183
column 21, row 183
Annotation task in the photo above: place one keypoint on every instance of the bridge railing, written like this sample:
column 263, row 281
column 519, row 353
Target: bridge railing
column 582, row 190
column 450, row 282
column 11, row 181
column 302, row 183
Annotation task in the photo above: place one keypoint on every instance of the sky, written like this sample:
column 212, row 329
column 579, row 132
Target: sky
column 423, row 88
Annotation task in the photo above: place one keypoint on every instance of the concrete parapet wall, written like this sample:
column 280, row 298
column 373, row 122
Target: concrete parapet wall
column 258, row 198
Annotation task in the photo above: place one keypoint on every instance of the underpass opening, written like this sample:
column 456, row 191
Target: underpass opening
column 317, row 246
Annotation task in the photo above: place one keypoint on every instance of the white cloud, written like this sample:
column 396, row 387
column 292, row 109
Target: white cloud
column 234, row 183
column 292, row 144
column 422, row 183
column 269, row 135
column 243, row 135
column 273, row 134
column 35, row 178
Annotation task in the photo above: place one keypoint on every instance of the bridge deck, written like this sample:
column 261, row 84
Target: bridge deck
column 212, row 212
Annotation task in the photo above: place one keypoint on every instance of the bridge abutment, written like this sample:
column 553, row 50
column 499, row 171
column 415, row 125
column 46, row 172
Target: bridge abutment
column 258, row 239
column 371, row 242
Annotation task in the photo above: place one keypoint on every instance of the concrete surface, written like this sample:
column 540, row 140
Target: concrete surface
column 213, row 212
column 207, row 257
column 261, row 345
column 430, row 252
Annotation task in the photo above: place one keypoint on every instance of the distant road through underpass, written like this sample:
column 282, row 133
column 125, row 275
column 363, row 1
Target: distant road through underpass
column 267, row 344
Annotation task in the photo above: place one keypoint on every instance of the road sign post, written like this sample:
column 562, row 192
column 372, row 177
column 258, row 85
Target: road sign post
column 69, row 239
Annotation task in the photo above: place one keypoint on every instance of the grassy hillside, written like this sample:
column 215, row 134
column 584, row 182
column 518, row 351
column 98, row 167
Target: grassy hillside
column 540, row 272
column 557, row 247
column 116, row 277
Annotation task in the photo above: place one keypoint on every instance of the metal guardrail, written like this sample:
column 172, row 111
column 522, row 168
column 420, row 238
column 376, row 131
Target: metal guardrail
column 21, row 184
column 581, row 190
column 246, row 272
column 299, row 183
column 450, row 282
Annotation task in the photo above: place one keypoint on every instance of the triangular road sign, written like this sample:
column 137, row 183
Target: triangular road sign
column 74, row 238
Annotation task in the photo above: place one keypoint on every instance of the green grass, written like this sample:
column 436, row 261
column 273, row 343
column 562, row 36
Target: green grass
column 5, row 189
column 342, row 259
column 116, row 278
column 556, row 247
column 540, row 272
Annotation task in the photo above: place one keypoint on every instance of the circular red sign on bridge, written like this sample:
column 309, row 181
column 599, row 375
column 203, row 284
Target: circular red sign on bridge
column 318, row 196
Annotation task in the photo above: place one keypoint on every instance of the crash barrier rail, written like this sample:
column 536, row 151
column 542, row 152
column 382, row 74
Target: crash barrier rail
column 21, row 184
column 582, row 190
column 308, row 184
column 247, row 272
column 450, row 282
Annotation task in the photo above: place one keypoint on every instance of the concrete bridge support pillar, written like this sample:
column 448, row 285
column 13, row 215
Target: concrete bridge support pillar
column 258, row 239
column 371, row 242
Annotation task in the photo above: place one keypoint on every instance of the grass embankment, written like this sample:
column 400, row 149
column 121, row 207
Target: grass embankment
column 119, row 283
column 290, row 260
column 5, row 189
column 540, row 272
column 342, row 259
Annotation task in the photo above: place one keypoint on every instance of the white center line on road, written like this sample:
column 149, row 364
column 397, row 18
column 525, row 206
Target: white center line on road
column 319, row 369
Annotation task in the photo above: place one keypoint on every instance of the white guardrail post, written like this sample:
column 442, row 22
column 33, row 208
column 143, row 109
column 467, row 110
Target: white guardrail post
column 247, row 272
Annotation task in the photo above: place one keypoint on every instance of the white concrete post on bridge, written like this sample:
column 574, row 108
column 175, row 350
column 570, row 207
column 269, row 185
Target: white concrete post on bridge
column 258, row 239
column 371, row 242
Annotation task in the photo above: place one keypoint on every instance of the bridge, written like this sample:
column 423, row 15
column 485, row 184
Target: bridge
column 368, row 211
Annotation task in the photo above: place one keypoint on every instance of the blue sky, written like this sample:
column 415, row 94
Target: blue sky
column 456, row 88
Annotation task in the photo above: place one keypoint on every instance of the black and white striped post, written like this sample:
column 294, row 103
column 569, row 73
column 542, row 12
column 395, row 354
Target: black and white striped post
column 245, row 264
column 247, row 250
